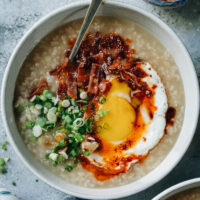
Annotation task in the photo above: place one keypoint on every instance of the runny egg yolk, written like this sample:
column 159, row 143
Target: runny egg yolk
column 117, row 125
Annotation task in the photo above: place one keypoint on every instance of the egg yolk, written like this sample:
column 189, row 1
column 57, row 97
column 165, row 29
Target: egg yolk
column 117, row 125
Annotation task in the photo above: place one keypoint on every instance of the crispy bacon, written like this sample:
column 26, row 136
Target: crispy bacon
column 98, row 57
column 43, row 84
column 94, row 79
column 82, row 76
column 72, row 83
column 62, row 89
column 104, row 86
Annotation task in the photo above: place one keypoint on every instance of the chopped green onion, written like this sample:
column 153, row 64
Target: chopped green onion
column 7, row 159
column 86, row 153
column 47, row 156
column 42, row 97
column 102, row 113
column 54, row 163
column 19, row 108
column 78, row 137
column 33, row 138
column 41, row 122
column 70, row 109
column 3, row 145
column 29, row 125
column 75, row 111
column 83, row 95
column 65, row 103
column 51, row 117
column 48, row 105
column 53, row 156
column 69, row 168
column 3, row 170
column 2, row 162
column 102, row 100
column 63, row 130
column 38, row 106
column 61, row 159
column 73, row 102
column 79, row 122
column 33, row 98
column 61, row 143
column 84, row 108
column 73, row 153
column 53, row 110
column 55, row 100
column 105, row 126
column 49, row 125
column 68, row 119
column 89, row 124
column 37, row 131
column 30, row 104
column 48, row 94
column 13, row 183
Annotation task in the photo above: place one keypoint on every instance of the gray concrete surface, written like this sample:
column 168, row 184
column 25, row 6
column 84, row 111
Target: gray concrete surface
column 17, row 16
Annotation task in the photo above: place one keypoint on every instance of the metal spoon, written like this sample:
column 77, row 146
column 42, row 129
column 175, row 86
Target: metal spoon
column 91, row 12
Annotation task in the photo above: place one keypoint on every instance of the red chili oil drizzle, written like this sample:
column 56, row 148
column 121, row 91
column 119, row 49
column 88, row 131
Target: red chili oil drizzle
column 170, row 115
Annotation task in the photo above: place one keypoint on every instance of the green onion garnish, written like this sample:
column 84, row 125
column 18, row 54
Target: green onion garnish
column 69, row 168
column 3, row 145
column 86, row 153
column 41, row 122
column 102, row 100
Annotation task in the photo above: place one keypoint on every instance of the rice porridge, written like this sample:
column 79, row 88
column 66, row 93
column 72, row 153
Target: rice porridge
column 49, row 53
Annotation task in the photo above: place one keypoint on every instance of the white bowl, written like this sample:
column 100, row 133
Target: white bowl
column 160, row 31
column 181, row 187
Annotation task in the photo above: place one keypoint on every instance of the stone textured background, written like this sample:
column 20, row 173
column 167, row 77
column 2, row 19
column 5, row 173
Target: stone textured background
column 17, row 16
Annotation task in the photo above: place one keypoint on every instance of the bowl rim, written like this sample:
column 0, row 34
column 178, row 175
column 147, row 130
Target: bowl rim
column 166, row 4
column 94, row 195
column 180, row 187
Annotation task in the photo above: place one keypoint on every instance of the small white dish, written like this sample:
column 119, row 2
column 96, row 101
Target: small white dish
column 161, row 31
column 183, row 186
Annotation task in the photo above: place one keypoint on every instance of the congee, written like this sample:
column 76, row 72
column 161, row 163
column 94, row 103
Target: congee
column 108, row 117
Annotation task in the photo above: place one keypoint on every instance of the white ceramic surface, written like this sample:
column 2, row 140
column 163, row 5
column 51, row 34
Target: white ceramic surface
column 183, row 186
column 159, row 30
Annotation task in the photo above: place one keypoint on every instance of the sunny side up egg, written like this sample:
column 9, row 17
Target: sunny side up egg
column 131, row 128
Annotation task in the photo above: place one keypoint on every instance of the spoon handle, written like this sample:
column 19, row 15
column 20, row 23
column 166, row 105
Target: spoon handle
column 95, row 4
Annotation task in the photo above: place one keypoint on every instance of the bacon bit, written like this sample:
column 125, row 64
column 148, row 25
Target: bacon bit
column 144, row 139
column 154, row 86
column 72, row 83
column 62, row 89
column 105, row 86
column 115, row 65
column 58, row 137
column 132, row 51
column 47, row 142
column 71, row 42
column 94, row 79
column 40, row 88
column 82, row 76
column 128, row 40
